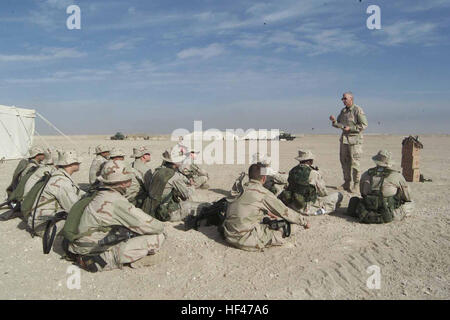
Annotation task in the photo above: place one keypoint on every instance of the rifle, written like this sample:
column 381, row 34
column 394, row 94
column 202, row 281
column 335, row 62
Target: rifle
column 214, row 215
column 278, row 224
column 4, row 204
column 117, row 234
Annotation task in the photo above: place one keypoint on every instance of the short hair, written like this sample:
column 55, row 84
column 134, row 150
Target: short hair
column 349, row 93
column 254, row 171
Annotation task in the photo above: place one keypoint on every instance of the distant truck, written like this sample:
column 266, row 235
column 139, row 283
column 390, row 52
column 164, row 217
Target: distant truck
column 118, row 136
column 286, row 136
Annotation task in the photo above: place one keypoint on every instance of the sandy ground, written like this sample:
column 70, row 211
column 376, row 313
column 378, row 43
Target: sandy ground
column 328, row 261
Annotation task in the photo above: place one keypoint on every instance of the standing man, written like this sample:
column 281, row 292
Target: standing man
column 102, row 155
column 352, row 121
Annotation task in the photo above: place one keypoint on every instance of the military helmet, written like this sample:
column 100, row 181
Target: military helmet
column 101, row 148
column 34, row 151
column 116, row 152
column 114, row 171
column 173, row 156
column 304, row 155
column 51, row 156
column 139, row 152
column 383, row 158
column 67, row 157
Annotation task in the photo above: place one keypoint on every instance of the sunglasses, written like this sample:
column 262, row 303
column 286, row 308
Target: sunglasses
column 344, row 99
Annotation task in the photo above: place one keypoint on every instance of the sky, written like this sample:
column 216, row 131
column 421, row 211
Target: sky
column 155, row 66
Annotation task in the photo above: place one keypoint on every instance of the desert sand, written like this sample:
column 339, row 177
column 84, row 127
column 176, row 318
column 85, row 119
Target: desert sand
column 328, row 261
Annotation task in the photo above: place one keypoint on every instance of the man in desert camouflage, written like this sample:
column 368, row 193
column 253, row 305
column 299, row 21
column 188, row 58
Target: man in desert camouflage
column 352, row 121
column 102, row 155
column 35, row 157
column 142, row 175
column 47, row 165
column 59, row 194
column 243, row 227
column 275, row 181
column 385, row 193
column 316, row 200
column 196, row 175
column 170, row 199
column 110, row 209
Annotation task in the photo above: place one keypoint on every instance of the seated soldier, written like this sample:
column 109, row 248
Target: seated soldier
column 169, row 197
column 275, row 181
column 59, row 194
column 306, row 192
column 142, row 176
column 36, row 155
column 243, row 227
column 102, row 155
column 197, row 176
column 96, row 247
column 385, row 194
column 48, row 165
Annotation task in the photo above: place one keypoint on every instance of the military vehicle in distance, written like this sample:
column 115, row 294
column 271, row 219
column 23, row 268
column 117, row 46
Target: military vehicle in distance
column 118, row 136
column 285, row 136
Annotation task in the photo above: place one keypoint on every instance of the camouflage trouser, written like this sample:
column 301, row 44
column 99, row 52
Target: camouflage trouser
column 257, row 239
column 131, row 250
column 350, row 155
column 327, row 204
column 199, row 181
column 405, row 210
column 186, row 208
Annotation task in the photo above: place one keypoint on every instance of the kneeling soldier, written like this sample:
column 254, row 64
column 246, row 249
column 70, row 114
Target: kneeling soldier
column 58, row 194
column 243, row 226
column 109, row 231
column 385, row 194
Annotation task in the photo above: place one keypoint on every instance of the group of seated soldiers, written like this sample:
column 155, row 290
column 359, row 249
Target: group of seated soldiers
column 119, row 219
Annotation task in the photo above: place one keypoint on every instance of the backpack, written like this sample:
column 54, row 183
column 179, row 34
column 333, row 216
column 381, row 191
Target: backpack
column 374, row 207
column 15, row 180
column 31, row 197
column 155, row 205
column 299, row 191
column 17, row 194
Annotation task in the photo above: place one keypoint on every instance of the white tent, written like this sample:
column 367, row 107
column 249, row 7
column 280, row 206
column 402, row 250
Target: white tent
column 16, row 132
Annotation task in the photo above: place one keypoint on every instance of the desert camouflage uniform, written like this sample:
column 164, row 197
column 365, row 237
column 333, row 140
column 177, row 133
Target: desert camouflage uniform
column 194, row 172
column 325, row 203
column 110, row 208
column 351, row 143
column 183, row 208
column 242, row 226
column 96, row 168
column 393, row 183
column 60, row 193
column 141, row 177
column 275, row 181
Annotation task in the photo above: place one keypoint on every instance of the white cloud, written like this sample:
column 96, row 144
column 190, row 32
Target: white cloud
column 46, row 54
column 212, row 50
column 404, row 32
column 124, row 44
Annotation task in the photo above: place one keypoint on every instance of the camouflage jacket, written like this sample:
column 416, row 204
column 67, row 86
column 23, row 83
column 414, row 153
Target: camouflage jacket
column 96, row 168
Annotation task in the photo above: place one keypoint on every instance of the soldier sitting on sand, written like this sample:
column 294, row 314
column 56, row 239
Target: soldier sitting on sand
column 243, row 226
column 98, row 243
column 196, row 175
column 385, row 194
column 102, row 155
column 306, row 192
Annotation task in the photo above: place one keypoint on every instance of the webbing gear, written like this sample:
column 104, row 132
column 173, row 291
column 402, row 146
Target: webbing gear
column 159, row 180
column 374, row 207
column 299, row 191
column 214, row 215
column 278, row 224
column 50, row 231
column 117, row 234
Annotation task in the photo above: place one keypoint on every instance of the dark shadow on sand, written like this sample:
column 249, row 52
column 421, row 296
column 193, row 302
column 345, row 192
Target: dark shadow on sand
column 223, row 192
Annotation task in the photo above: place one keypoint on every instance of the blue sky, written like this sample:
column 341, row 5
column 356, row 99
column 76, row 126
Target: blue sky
column 154, row 66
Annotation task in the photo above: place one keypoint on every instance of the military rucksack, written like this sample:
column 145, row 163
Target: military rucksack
column 17, row 194
column 374, row 207
column 34, row 194
column 299, row 191
column 155, row 205
column 17, row 172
